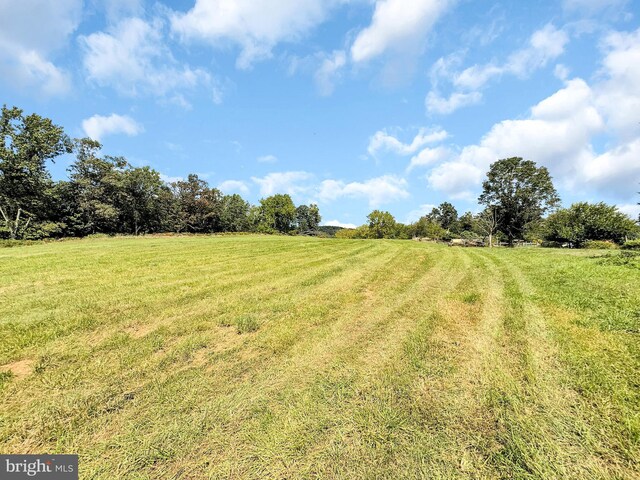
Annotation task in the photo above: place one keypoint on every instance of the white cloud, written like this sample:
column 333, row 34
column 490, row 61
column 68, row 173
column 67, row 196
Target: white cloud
column 545, row 45
column 376, row 191
column 255, row 26
column 28, row 69
column 233, row 186
column 456, row 178
column 429, row 156
column 30, row 32
column 556, row 135
column 38, row 25
column 283, row 182
column 561, row 72
column 170, row 179
column 422, row 210
column 115, row 10
column 268, row 159
column 382, row 141
column 397, row 25
column 329, row 72
column 560, row 131
column 631, row 209
column 618, row 169
column 590, row 7
column 99, row 126
column 618, row 97
column 132, row 58
column 437, row 104
column 337, row 223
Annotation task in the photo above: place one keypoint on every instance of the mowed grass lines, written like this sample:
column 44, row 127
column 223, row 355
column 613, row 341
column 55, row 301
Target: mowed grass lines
column 283, row 357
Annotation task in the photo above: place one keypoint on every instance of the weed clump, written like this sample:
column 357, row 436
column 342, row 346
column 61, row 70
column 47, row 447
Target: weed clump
column 247, row 324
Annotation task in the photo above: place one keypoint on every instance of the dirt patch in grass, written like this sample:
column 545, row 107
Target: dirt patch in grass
column 19, row 369
column 139, row 331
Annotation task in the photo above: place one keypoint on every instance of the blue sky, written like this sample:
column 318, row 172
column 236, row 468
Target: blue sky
column 353, row 104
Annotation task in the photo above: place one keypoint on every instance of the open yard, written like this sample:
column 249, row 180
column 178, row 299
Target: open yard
column 289, row 357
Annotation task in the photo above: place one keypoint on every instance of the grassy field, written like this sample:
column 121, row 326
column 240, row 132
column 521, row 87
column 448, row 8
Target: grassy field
column 283, row 357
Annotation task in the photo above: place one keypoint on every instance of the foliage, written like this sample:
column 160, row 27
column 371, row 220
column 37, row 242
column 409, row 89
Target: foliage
column 352, row 233
column 425, row 227
column 198, row 208
column 346, row 233
column 106, row 194
column 308, row 218
column 599, row 245
column 277, row 213
column 234, row 216
column 624, row 258
column 631, row 245
column 330, row 230
column 445, row 215
column 520, row 192
column 381, row 224
column 26, row 143
column 589, row 221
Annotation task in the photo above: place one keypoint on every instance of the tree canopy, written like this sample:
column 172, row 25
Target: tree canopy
column 520, row 192
column 589, row 221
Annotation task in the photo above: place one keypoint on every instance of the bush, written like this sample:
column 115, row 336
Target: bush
column 348, row 233
column 632, row 245
column 600, row 244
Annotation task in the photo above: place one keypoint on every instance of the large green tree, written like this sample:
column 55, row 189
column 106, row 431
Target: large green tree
column 234, row 216
column 26, row 144
column 520, row 192
column 277, row 213
column 381, row 224
column 197, row 208
column 145, row 201
column 96, row 188
column 308, row 218
column 427, row 227
column 446, row 216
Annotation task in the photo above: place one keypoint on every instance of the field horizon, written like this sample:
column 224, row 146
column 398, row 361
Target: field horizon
column 296, row 357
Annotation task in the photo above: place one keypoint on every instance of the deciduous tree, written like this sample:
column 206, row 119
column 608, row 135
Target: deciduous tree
column 520, row 192
column 381, row 224
column 277, row 213
column 26, row 143
column 589, row 221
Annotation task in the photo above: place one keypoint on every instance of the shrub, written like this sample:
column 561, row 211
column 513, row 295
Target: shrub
column 632, row 245
column 600, row 244
column 347, row 233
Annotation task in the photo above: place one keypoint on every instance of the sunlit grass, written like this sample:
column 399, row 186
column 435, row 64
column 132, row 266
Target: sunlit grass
column 283, row 357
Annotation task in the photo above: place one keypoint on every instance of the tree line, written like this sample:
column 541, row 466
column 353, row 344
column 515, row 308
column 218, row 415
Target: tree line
column 106, row 194
column 519, row 202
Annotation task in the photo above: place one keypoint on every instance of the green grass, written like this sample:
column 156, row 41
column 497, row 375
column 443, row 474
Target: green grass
column 283, row 357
